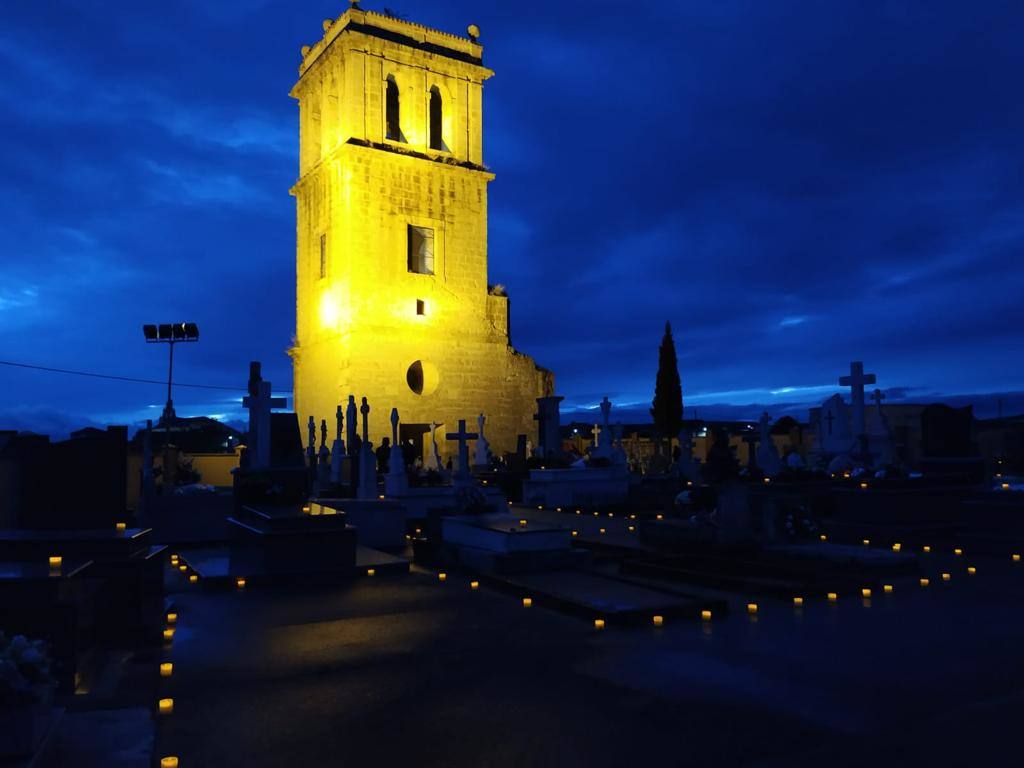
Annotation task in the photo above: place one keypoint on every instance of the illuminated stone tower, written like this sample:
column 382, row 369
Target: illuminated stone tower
column 393, row 300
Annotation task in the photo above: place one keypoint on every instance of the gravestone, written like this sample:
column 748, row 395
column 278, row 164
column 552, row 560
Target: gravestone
column 834, row 427
column 856, row 381
column 396, row 481
column 367, row 488
column 482, row 451
column 462, row 476
column 260, row 404
column 548, row 420
column 338, row 450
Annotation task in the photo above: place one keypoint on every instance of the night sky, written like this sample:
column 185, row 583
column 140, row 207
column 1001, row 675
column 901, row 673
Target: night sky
column 792, row 184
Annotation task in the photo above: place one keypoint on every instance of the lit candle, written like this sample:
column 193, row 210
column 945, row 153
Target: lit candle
column 798, row 601
column 474, row 584
column 658, row 620
column 527, row 602
column 381, row 497
column 600, row 530
column 522, row 522
column 767, row 480
column 193, row 578
column 371, row 571
column 240, row 583
column 558, row 509
column 578, row 512
column 897, row 547
column 1016, row 558
column 120, row 526
column 865, row 592
column 169, row 762
column 172, row 618
column 887, row 588
column 1006, row 486
column 659, row 517
column 946, row 577
column 540, row 506
column 926, row 549
column 823, row 537
column 924, row 582
column 182, row 567
column 442, row 576
column 832, row 597
column 169, row 633
column 863, row 486
column 306, row 510
column 972, row 570
column 166, row 668
column 867, row 542
column 598, row 623
column 55, row 561
column 166, row 706
column 575, row 533
column 958, row 551
column 632, row 528
column 751, row 608
column 705, row 615
column 611, row 514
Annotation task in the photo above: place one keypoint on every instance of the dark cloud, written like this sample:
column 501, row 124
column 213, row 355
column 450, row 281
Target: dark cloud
column 792, row 184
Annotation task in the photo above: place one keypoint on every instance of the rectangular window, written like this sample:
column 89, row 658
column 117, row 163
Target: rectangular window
column 421, row 250
column 323, row 256
column 421, row 307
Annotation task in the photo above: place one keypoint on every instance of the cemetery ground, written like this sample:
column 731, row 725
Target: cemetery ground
column 407, row 668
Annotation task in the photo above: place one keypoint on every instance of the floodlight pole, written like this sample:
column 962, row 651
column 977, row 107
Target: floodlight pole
column 169, row 414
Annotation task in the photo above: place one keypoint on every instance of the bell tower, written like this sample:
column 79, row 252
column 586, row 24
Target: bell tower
column 393, row 299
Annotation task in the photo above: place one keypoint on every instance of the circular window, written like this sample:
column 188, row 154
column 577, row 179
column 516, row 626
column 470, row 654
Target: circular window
column 422, row 377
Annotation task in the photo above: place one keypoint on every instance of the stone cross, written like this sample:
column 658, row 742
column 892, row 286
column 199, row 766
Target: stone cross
column 606, row 409
column 367, row 488
column 311, row 443
column 597, row 436
column 338, row 448
column 323, row 434
column 260, row 404
column 462, row 475
column 856, row 381
column 396, row 482
column 878, row 396
column 350, row 414
column 548, row 421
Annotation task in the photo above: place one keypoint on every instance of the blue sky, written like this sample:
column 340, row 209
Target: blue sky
column 792, row 184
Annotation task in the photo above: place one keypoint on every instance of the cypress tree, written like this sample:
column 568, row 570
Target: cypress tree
column 667, row 407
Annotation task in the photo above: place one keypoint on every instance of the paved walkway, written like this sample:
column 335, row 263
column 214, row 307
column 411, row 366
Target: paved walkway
column 411, row 670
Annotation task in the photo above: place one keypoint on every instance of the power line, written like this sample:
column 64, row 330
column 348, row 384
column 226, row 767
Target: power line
column 112, row 377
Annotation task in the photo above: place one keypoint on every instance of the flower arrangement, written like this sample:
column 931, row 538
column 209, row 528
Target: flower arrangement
column 24, row 670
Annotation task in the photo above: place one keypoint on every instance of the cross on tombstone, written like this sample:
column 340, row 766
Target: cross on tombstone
column 597, row 435
column 462, row 436
column 878, row 396
column 856, row 381
column 353, row 427
column 311, row 445
column 260, row 404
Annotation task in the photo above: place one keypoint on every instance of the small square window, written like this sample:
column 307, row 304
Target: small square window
column 421, row 250
column 421, row 307
column 323, row 256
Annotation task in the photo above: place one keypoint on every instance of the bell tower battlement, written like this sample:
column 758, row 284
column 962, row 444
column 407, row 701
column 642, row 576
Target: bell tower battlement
column 392, row 292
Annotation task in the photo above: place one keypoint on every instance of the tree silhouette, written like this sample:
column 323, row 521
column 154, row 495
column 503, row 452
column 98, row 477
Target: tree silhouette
column 667, row 407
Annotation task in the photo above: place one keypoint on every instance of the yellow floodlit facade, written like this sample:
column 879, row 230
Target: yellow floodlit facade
column 393, row 299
